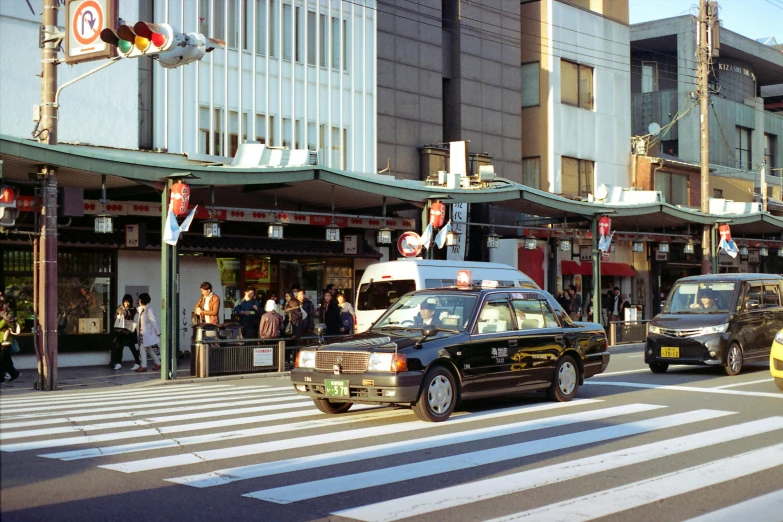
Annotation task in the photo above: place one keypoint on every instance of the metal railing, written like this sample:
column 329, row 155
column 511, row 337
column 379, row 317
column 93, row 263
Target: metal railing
column 628, row 332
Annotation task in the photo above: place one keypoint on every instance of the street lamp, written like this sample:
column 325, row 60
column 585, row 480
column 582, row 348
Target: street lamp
column 332, row 231
column 565, row 245
column 384, row 236
column 663, row 248
column 212, row 228
column 530, row 243
column 689, row 247
column 275, row 230
column 103, row 223
column 637, row 246
column 763, row 252
column 743, row 250
column 453, row 237
column 493, row 240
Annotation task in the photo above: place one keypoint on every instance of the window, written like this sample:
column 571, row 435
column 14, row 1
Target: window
column 346, row 47
column 673, row 187
column 322, row 40
column 311, row 41
column 649, row 76
column 770, row 160
column 260, row 128
column 291, row 42
column 754, row 293
column 717, row 193
column 287, row 132
column 743, row 148
column 531, row 172
column 273, row 28
column 207, row 146
column 336, row 41
column 261, row 26
column 670, row 147
column 576, row 84
column 577, row 177
column 219, row 21
column 233, row 131
column 272, row 132
column 771, row 296
column 495, row 317
column 530, row 84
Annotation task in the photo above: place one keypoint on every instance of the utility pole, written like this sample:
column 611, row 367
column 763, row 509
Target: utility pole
column 704, row 57
column 46, row 323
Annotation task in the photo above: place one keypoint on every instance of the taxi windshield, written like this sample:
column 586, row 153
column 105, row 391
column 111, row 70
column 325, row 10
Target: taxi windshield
column 451, row 311
column 700, row 298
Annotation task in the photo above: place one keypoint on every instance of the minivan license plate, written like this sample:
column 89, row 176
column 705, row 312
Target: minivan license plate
column 670, row 352
column 337, row 388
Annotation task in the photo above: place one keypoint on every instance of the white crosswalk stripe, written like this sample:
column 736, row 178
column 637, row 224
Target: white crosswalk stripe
column 300, row 454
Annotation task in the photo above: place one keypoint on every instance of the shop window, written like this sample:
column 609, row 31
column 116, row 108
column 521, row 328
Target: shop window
column 717, row 193
column 770, row 158
column 576, row 84
column 577, row 176
column 673, row 187
column 743, row 149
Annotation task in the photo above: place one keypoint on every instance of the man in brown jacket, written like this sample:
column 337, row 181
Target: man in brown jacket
column 208, row 307
column 271, row 322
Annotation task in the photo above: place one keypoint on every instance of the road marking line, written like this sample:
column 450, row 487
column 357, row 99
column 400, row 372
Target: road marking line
column 203, row 411
column 742, row 384
column 313, row 440
column 127, row 399
column 766, row 508
column 687, row 388
column 432, row 501
column 637, row 494
column 68, row 397
column 213, row 397
column 226, row 476
column 26, row 434
column 232, row 435
column 441, row 466
column 642, row 370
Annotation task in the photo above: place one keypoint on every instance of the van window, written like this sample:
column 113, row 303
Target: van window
column 439, row 283
column 379, row 295
column 771, row 296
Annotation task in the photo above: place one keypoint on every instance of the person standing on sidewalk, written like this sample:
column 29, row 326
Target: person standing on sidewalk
column 9, row 327
column 149, row 333
column 271, row 322
column 124, row 336
column 576, row 303
column 308, row 323
column 208, row 306
column 249, row 314
column 346, row 314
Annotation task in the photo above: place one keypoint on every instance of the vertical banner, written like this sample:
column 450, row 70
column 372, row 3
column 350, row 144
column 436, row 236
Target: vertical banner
column 458, row 158
column 459, row 216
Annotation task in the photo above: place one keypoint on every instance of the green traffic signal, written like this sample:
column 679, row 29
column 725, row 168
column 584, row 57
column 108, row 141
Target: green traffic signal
column 124, row 46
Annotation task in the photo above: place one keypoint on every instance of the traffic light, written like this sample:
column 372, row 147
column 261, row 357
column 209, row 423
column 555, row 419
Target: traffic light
column 161, row 42
column 8, row 210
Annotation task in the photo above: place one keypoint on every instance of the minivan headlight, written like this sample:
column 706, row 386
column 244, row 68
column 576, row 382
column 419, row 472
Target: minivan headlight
column 655, row 329
column 714, row 329
column 305, row 359
column 779, row 337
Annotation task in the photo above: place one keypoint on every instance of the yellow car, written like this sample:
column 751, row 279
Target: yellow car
column 776, row 360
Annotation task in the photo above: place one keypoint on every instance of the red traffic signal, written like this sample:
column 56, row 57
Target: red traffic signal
column 8, row 210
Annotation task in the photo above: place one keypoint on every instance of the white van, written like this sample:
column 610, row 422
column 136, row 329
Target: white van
column 383, row 283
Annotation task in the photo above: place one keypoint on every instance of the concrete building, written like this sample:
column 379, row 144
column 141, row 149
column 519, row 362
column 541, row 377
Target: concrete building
column 743, row 132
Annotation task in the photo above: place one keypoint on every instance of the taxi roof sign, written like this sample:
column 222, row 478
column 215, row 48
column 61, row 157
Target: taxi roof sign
column 488, row 283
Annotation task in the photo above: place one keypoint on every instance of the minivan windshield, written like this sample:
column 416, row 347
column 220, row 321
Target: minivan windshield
column 700, row 298
column 447, row 310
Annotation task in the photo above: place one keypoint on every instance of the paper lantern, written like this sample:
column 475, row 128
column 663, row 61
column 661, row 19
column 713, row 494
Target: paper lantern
column 180, row 198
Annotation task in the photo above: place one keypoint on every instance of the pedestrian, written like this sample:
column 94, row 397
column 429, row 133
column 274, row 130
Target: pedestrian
column 331, row 289
column 576, row 303
column 9, row 327
column 125, row 334
column 149, row 333
column 249, row 314
column 296, row 319
column 624, row 305
column 208, row 306
column 614, row 307
column 309, row 312
column 346, row 314
column 329, row 314
column 606, row 306
column 565, row 301
column 271, row 322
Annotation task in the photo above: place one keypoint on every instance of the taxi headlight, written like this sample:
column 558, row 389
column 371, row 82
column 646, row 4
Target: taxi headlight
column 714, row 329
column 387, row 362
column 779, row 337
column 655, row 329
column 305, row 359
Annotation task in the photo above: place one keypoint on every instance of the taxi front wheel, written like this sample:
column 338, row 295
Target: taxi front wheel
column 566, row 380
column 438, row 396
column 334, row 408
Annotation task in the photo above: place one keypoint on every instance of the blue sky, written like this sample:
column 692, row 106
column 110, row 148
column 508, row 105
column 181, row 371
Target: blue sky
column 751, row 18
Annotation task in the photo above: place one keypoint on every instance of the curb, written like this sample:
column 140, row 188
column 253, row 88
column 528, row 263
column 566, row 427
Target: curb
column 196, row 380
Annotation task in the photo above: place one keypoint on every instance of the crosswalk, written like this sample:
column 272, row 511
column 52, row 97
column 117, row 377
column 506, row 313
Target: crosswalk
column 380, row 463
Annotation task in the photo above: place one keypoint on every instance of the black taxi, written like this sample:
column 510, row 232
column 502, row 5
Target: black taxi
column 432, row 348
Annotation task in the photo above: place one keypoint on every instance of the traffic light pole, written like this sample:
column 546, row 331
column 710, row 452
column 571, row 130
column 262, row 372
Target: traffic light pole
column 169, row 299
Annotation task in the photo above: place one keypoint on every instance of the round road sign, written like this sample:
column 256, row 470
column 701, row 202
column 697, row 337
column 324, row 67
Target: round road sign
column 409, row 244
column 87, row 22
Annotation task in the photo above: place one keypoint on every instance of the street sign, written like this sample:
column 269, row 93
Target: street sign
column 85, row 19
column 409, row 244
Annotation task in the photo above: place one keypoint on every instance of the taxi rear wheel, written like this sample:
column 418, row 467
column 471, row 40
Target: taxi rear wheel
column 659, row 367
column 566, row 380
column 779, row 383
column 733, row 360
column 333, row 408
column 438, row 396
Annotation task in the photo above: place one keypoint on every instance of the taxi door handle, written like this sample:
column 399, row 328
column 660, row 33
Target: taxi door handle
column 513, row 343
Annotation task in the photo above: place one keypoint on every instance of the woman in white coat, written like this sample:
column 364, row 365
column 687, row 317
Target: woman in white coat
column 149, row 333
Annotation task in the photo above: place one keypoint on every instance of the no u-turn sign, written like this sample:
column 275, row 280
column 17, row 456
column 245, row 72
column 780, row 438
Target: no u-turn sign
column 84, row 21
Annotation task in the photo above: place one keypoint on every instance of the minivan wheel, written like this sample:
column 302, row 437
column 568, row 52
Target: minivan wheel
column 566, row 380
column 438, row 396
column 733, row 360
column 659, row 367
column 332, row 408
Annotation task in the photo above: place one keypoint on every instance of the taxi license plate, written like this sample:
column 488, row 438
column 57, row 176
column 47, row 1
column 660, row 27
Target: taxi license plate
column 337, row 388
column 670, row 352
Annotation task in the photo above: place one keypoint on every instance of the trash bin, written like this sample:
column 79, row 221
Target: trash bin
column 231, row 331
column 201, row 332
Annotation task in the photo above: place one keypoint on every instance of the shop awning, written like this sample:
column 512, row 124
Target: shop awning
column 607, row 269
column 571, row 268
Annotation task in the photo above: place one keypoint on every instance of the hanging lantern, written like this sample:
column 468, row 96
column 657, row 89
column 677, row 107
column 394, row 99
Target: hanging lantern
column 689, row 247
column 180, row 198
column 763, row 252
column 725, row 232
column 103, row 224
column 332, row 231
column 212, row 228
column 453, row 237
column 780, row 252
column 663, row 248
column 493, row 240
column 743, row 250
column 637, row 246
column 384, row 236
column 565, row 245
column 437, row 214
column 530, row 243
column 275, row 230
column 604, row 226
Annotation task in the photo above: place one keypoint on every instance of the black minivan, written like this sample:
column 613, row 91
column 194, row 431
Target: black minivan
column 717, row 320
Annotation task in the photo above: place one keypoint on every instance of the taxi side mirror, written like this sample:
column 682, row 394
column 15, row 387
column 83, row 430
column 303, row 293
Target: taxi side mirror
column 320, row 330
column 751, row 304
column 428, row 330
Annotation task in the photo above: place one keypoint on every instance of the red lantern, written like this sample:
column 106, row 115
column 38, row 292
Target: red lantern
column 604, row 226
column 437, row 214
column 180, row 198
column 725, row 232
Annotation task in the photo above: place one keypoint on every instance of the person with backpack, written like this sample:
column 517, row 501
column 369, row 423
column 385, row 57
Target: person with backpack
column 346, row 314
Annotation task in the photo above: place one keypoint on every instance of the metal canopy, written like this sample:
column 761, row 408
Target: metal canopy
column 656, row 216
column 754, row 224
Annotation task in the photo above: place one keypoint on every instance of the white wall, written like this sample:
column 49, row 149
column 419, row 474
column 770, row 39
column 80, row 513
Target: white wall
column 143, row 269
column 99, row 110
column 603, row 134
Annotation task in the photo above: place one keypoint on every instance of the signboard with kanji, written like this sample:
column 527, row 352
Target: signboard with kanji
column 84, row 21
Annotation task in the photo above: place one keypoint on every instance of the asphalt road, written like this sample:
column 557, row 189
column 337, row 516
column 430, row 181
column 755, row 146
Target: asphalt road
column 635, row 446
